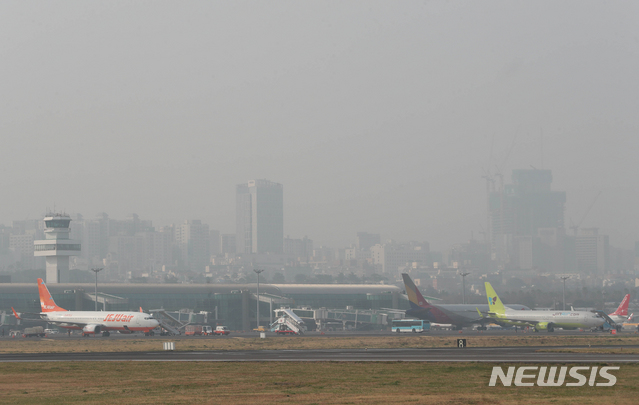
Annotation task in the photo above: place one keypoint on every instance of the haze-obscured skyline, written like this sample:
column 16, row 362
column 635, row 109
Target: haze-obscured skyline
column 375, row 116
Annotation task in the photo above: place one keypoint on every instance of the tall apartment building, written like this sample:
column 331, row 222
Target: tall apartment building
column 391, row 256
column 301, row 249
column 260, row 217
column 22, row 245
column 521, row 209
column 592, row 251
column 227, row 244
column 192, row 238
column 366, row 240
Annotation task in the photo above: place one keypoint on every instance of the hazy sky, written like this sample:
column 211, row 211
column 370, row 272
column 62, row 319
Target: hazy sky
column 375, row 116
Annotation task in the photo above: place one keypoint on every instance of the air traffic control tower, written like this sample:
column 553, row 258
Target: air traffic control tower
column 57, row 247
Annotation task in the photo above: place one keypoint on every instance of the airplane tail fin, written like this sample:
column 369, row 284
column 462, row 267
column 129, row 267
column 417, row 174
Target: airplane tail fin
column 416, row 298
column 494, row 302
column 623, row 307
column 46, row 301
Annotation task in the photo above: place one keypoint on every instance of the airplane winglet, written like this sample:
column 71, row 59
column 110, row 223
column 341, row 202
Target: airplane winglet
column 141, row 309
column 15, row 313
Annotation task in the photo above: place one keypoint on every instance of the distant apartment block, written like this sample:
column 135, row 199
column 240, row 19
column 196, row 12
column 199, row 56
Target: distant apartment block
column 366, row 240
column 260, row 217
column 521, row 209
column 192, row 238
column 227, row 244
column 300, row 249
column 22, row 245
column 392, row 256
column 592, row 251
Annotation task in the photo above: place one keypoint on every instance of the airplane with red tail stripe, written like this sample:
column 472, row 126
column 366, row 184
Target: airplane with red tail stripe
column 92, row 322
column 621, row 314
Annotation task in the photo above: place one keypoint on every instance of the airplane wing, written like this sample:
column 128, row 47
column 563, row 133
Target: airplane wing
column 511, row 321
column 487, row 318
column 18, row 315
column 394, row 310
column 85, row 326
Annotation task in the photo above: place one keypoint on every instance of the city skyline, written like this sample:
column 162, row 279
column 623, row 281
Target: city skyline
column 475, row 234
column 376, row 116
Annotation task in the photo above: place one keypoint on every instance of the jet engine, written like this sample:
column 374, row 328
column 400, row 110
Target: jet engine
column 545, row 326
column 91, row 328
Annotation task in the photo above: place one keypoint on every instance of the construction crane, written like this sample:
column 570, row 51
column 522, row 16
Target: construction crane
column 575, row 227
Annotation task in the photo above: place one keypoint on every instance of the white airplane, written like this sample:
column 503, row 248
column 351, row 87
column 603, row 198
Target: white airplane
column 541, row 320
column 621, row 314
column 92, row 322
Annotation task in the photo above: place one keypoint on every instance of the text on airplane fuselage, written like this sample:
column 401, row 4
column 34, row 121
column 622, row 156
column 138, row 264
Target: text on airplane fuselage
column 117, row 318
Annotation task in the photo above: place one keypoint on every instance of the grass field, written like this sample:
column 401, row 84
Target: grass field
column 290, row 382
column 99, row 344
column 287, row 383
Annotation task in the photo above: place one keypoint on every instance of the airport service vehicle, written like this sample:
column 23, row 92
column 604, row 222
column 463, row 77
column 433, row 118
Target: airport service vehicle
column 282, row 331
column 36, row 331
column 92, row 322
column 541, row 320
column 50, row 331
column 410, row 325
column 221, row 330
column 458, row 315
column 193, row 330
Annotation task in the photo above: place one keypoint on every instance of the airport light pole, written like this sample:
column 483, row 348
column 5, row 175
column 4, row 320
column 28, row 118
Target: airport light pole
column 564, row 278
column 258, row 271
column 463, row 275
column 96, row 270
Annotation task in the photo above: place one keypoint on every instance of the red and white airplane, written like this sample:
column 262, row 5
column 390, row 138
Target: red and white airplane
column 92, row 322
column 621, row 314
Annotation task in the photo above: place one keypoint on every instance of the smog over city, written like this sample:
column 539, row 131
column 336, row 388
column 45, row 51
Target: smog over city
column 400, row 119
column 363, row 202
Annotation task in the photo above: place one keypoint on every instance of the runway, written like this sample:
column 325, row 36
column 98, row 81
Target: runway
column 480, row 354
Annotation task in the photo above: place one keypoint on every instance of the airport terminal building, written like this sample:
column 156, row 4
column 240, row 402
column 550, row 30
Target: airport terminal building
column 233, row 305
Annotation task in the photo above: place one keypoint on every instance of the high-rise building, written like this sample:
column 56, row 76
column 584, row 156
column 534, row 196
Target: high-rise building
column 260, row 217
column 366, row 240
column 592, row 251
column 522, row 208
column 300, row 249
column 192, row 238
column 227, row 244
column 391, row 256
